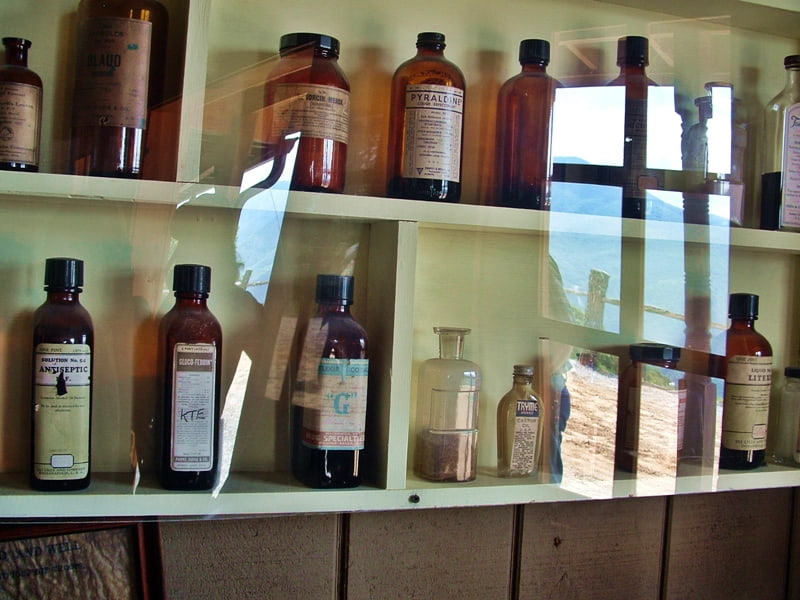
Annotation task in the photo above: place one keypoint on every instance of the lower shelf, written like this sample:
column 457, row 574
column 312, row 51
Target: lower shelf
column 112, row 495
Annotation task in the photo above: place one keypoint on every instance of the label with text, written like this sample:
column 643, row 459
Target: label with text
column 193, row 417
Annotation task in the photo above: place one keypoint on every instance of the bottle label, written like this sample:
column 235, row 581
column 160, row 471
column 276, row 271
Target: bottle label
column 526, row 430
column 20, row 109
column 193, row 417
column 336, row 410
column 112, row 73
column 746, row 403
column 433, row 126
column 61, row 411
column 318, row 111
column 790, row 202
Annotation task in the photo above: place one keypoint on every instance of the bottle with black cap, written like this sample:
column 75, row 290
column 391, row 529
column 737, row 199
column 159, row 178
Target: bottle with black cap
column 61, row 408
column 191, row 353
column 329, row 402
column 748, row 380
column 426, row 125
column 524, row 119
column 307, row 93
column 633, row 55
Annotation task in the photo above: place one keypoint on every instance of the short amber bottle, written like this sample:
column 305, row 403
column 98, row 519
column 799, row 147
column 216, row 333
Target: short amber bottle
column 21, row 117
column 190, row 347
column 426, row 127
column 63, row 361
column 308, row 94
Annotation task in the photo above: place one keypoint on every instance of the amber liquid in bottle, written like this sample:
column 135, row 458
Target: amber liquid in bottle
column 427, row 103
column 748, row 378
column 118, row 78
column 524, row 119
column 191, row 354
column 309, row 93
column 329, row 416
column 61, row 407
column 21, row 119
column 632, row 58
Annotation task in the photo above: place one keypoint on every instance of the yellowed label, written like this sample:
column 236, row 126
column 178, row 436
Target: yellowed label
column 112, row 73
column 20, row 122
column 61, row 411
column 318, row 111
column 746, row 407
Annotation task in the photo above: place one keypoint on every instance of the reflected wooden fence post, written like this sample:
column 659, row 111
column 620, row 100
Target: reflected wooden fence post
column 595, row 307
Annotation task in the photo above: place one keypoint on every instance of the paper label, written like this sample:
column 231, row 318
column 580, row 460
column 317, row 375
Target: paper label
column 20, row 110
column 112, row 73
column 790, row 201
column 433, row 128
column 526, row 430
column 193, row 416
column 318, row 111
column 746, row 404
column 61, row 411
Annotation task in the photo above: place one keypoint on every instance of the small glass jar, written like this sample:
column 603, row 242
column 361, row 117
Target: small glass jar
column 784, row 440
column 447, row 412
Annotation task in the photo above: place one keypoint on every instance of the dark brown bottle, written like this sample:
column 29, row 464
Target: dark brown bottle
column 524, row 119
column 329, row 403
column 20, row 109
column 309, row 94
column 63, row 359
column 426, row 126
column 118, row 78
column 748, row 379
column 632, row 58
column 190, row 345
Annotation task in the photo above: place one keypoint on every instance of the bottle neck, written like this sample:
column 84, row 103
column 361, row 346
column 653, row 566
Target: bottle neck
column 743, row 322
column 63, row 296
column 16, row 55
column 187, row 299
column 793, row 78
column 451, row 347
column 332, row 309
column 430, row 49
column 534, row 67
column 522, row 382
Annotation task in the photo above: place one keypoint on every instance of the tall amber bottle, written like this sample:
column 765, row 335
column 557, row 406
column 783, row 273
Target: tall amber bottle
column 20, row 109
column 329, row 403
column 633, row 55
column 309, row 93
column 748, row 379
column 63, row 359
column 191, row 354
column 426, row 126
column 524, row 119
column 118, row 78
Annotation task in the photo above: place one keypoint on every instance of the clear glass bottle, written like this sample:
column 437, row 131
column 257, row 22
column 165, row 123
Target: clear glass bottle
column 447, row 412
column 524, row 121
column 748, row 379
column 783, row 440
column 190, row 342
column 646, row 370
column 21, row 114
column 426, row 126
column 329, row 403
column 519, row 427
column 633, row 55
column 780, row 171
column 118, row 78
column 63, row 359
column 309, row 94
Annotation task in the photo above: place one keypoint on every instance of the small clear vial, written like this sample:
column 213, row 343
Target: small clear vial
column 784, row 443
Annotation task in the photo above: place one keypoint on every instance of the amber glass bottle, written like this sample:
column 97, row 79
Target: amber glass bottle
column 309, row 93
column 118, row 77
column 519, row 427
column 61, row 407
column 426, row 125
column 20, row 109
column 524, row 119
column 329, row 402
column 632, row 58
column 191, row 354
column 748, row 379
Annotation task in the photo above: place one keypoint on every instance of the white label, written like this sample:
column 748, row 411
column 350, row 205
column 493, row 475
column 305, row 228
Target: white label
column 61, row 411
column 433, row 128
column 20, row 110
column 746, row 405
column 318, row 111
column 526, row 430
column 339, row 420
column 790, row 176
column 193, row 417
